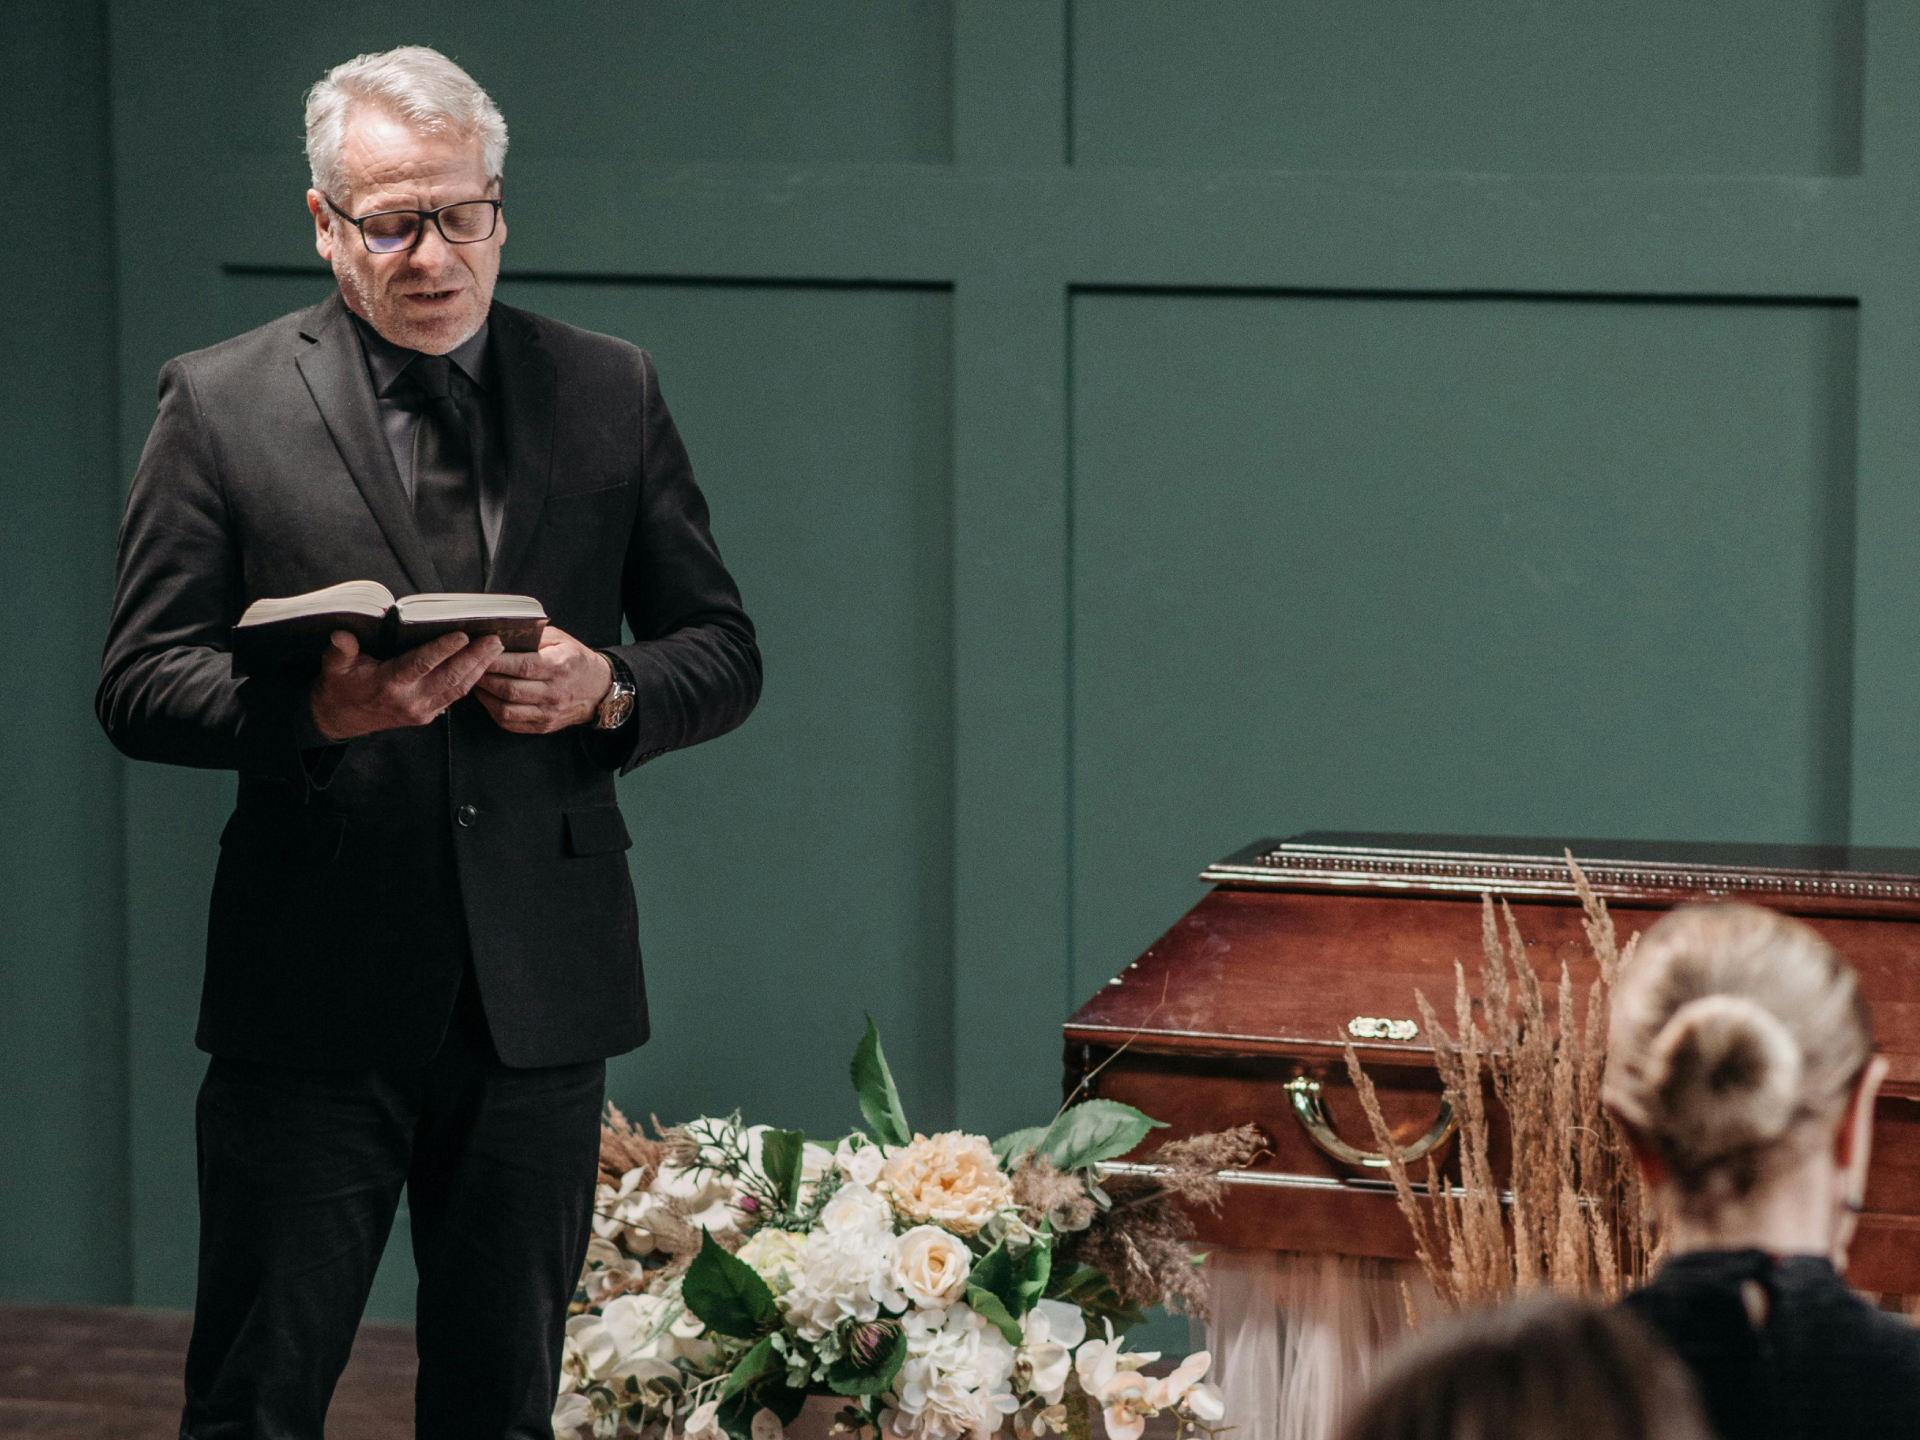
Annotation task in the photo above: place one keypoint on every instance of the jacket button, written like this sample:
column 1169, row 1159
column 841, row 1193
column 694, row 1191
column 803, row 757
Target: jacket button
column 466, row 815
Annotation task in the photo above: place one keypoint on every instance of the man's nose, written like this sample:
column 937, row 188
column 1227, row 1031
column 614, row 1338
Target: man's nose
column 433, row 252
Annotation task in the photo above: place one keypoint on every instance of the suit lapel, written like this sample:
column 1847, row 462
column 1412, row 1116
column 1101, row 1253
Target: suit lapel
column 527, row 389
column 336, row 376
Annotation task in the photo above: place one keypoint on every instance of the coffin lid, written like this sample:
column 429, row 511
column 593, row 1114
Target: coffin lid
column 1307, row 942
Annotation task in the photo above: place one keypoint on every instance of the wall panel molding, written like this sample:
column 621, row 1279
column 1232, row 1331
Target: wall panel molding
column 973, row 232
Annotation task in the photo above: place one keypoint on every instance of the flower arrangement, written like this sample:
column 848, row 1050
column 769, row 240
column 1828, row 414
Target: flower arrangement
column 938, row 1286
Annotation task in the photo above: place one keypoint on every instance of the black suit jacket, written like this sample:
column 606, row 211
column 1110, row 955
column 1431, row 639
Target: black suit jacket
column 352, row 880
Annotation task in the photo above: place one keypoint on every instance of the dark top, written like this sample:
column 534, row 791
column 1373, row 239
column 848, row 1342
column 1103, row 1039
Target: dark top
column 1823, row 1363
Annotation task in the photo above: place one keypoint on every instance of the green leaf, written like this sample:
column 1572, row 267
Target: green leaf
column 1015, row 1282
column 993, row 1272
column 780, row 1158
column 750, row 1367
column 736, row 1415
column 724, row 1292
column 873, row 1083
column 1030, row 1276
column 1009, row 1148
column 1096, row 1130
column 846, row 1378
column 987, row 1306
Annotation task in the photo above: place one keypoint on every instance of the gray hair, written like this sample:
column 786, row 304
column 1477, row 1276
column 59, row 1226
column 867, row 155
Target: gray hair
column 414, row 84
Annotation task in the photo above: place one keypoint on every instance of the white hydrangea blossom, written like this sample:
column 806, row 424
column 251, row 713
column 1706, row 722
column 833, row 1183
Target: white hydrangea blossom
column 844, row 1269
column 956, row 1379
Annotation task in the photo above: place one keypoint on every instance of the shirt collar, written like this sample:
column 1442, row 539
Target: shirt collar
column 386, row 361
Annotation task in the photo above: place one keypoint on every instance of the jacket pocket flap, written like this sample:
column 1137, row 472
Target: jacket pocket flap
column 597, row 830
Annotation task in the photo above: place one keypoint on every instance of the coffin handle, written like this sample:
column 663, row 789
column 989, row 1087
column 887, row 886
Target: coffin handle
column 1304, row 1093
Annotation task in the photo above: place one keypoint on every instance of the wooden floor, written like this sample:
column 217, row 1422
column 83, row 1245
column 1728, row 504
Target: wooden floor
column 82, row 1373
column 70, row 1372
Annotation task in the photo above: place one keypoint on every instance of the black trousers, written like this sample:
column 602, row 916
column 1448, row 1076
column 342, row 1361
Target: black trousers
column 300, row 1176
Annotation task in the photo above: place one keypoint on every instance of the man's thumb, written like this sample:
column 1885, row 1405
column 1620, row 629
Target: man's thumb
column 342, row 650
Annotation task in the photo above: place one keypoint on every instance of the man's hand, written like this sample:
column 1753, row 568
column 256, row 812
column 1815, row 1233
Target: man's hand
column 357, row 695
column 535, row 692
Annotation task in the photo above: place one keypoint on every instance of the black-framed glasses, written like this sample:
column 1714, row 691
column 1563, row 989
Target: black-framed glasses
column 387, row 232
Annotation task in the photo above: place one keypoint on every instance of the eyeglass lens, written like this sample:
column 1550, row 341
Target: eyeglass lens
column 400, row 229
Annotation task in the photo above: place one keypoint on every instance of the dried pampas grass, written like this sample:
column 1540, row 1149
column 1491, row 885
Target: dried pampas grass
column 625, row 1147
column 1141, row 1238
column 1576, row 1215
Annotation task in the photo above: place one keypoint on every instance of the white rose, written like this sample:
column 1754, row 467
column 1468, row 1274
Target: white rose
column 854, row 1207
column 774, row 1256
column 859, row 1161
column 930, row 1266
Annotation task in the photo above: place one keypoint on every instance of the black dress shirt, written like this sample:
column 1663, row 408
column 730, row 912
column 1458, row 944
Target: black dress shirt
column 387, row 364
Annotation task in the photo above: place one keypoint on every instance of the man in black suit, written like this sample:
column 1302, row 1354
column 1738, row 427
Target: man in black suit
column 422, row 938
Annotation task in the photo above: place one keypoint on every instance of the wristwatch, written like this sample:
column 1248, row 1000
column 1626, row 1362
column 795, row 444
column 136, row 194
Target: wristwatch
column 616, row 706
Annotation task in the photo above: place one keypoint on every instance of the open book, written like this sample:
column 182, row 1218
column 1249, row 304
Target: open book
column 295, row 629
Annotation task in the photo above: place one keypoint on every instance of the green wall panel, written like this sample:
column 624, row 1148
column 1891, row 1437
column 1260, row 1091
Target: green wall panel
column 799, row 870
column 63, row 1157
column 1521, row 566
column 1767, row 87
column 752, row 80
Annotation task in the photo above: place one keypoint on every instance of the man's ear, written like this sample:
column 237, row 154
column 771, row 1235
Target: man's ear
column 322, row 225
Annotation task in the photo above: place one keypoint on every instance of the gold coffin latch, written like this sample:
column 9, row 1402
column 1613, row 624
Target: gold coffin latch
column 1304, row 1093
column 1373, row 1027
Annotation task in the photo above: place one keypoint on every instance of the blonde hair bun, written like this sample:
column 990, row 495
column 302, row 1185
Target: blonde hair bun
column 1726, row 1074
column 1734, row 1037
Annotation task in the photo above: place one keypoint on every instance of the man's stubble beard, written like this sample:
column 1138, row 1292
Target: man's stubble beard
column 359, row 299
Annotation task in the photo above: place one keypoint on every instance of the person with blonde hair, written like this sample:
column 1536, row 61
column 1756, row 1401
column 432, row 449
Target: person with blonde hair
column 1741, row 1062
column 1544, row 1368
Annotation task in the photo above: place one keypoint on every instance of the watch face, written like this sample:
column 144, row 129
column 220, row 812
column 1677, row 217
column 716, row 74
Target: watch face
column 615, row 709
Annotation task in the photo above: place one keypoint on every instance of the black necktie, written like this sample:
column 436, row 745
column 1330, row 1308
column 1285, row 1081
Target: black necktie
column 445, row 497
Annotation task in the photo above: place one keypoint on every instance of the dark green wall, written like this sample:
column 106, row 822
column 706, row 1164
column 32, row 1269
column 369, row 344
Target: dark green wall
column 1137, row 427
column 63, row 1016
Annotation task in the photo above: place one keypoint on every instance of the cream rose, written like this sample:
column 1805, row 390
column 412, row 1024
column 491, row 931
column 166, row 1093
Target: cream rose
column 774, row 1256
column 950, row 1180
column 930, row 1266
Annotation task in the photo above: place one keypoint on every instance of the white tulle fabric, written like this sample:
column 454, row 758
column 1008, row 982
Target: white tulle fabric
column 1295, row 1337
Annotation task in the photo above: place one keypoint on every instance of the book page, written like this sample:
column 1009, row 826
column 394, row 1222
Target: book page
column 437, row 606
column 351, row 597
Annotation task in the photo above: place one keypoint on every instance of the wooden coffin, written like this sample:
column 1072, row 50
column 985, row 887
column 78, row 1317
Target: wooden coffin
column 1305, row 943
